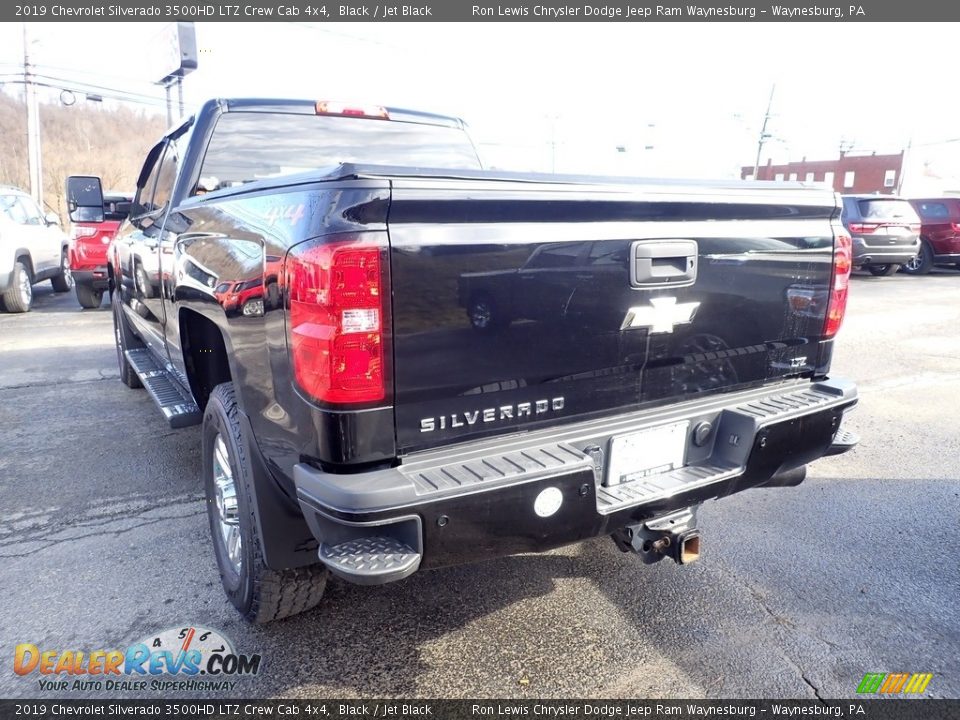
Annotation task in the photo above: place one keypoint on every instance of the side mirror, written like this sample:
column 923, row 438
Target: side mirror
column 52, row 218
column 84, row 198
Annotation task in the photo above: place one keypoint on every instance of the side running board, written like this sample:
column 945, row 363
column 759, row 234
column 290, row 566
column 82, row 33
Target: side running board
column 173, row 401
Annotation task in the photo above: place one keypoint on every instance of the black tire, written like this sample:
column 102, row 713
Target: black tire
column 883, row 270
column 258, row 592
column 125, row 340
column 19, row 296
column 484, row 314
column 89, row 298
column 922, row 264
column 64, row 281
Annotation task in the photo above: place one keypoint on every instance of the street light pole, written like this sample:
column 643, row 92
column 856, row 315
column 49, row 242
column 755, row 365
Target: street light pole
column 764, row 136
column 34, row 153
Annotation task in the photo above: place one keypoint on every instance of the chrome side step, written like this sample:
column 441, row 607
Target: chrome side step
column 173, row 401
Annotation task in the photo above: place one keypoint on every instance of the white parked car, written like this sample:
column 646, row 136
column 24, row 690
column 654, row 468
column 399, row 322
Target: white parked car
column 33, row 248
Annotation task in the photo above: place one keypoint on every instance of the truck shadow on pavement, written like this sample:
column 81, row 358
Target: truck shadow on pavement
column 772, row 610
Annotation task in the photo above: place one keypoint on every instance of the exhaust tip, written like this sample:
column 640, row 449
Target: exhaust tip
column 689, row 547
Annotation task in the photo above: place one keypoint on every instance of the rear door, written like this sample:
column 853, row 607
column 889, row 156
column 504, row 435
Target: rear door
column 670, row 295
column 45, row 241
column 138, row 249
column 938, row 221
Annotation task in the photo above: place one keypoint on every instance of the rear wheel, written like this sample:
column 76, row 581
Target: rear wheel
column 64, row 281
column 125, row 340
column 922, row 263
column 260, row 593
column 19, row 297
column 883, row 270
column 88, row 297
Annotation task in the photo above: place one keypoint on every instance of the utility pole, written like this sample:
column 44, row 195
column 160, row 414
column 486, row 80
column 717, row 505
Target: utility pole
column 168, row 86
column 34, row 153
column 166, row 90
column 903, row 165
column 764, row 135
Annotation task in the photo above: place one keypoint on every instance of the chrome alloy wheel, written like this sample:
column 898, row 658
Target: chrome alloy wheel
column 228, row 512
column 26, row 288
column 65, row 269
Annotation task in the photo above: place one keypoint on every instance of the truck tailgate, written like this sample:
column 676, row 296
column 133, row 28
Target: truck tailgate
column 517, row 304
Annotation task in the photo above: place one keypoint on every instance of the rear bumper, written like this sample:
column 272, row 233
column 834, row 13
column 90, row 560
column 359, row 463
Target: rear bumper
column 87, row 256
column 866, row 254
column 494, row 497
column 97, row 278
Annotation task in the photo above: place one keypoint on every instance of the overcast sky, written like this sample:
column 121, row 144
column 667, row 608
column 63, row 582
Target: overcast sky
column 678, row 98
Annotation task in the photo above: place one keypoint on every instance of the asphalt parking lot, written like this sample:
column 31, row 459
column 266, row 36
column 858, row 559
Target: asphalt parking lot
column 800, row 591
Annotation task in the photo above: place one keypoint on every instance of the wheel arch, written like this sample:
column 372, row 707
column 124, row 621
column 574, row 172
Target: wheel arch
column 23, row 253
column 206, row 357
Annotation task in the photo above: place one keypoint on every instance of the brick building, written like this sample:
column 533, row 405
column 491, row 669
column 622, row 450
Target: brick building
column 847, row 174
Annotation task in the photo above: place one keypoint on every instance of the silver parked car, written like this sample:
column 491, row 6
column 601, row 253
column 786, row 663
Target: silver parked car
column 33, row 248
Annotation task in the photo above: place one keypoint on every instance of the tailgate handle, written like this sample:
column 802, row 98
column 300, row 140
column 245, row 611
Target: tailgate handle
column 663, row 263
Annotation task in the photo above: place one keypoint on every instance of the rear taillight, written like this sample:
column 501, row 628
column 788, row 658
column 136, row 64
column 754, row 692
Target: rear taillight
column 955, row 227
column 864, row 228
column 337, row 305
column 839, row 283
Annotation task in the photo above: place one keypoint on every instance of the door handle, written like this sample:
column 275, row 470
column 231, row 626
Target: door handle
column 663, row 263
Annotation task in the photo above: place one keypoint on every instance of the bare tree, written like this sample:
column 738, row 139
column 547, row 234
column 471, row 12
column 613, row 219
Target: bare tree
column 77, row 140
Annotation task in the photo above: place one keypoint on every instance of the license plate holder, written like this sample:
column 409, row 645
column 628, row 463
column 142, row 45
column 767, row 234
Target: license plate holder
column 645, row 453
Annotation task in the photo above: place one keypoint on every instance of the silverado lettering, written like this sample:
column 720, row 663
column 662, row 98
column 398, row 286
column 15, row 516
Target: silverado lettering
column 400, row 361
column 488, row 415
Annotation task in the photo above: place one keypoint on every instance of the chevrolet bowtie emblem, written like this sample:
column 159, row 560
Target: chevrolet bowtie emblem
column 660, row 316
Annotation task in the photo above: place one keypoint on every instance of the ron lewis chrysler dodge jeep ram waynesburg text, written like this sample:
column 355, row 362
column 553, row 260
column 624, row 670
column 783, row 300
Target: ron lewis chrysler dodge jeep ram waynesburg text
column 418, row 363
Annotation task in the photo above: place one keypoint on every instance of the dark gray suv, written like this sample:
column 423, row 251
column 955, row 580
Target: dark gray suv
column 885, row 231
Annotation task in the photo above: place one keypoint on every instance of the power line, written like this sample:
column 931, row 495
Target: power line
column 76, row 71
column 57, row 83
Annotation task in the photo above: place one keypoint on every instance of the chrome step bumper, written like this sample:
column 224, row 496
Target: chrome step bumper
column 737, row 418
column 544, row 489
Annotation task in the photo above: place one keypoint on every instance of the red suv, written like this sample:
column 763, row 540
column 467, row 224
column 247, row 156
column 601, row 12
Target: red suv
column 939, row 235
column 89, row 241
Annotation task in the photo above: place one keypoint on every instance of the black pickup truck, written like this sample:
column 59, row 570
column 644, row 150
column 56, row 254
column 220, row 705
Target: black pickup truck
column 418, row 363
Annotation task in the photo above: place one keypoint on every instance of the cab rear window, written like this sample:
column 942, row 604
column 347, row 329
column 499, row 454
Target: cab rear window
column 249, row 146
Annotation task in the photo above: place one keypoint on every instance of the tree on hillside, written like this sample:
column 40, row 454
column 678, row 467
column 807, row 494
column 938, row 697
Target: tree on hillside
column 76, row 140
